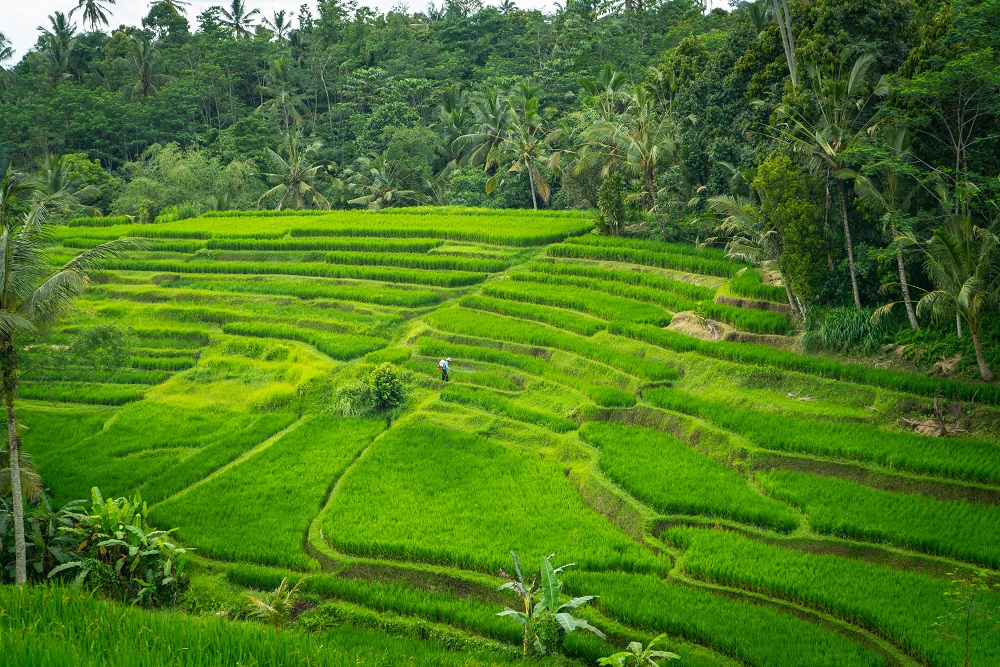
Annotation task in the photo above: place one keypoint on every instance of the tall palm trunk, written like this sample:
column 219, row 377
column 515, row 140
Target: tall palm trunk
column 850, row 244
column 906, row 288
column 13, row 449
column 984, row 370
column 791, row 300
column 531, row 184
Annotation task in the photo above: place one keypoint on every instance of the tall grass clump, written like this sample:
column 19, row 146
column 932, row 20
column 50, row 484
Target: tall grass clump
column 763, row 355
column 662, row 471
column 478, row 500
column 845, row 329
column 664, row 260
column 965, row 458
column 745, row 319
column 596, row 303
column 901, row 605
column 50, row 626
column 518, row 331
column 957, row 528
column 506, row 407
column 752, row 633
column 748, row 284
column 279, row 489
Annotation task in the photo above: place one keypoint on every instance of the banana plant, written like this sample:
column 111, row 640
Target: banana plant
column 635, row 656
column 546, row 619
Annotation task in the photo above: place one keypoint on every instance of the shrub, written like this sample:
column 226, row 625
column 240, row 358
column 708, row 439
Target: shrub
column 388, row 388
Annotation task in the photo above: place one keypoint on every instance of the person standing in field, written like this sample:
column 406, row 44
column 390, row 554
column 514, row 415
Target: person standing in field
column 444, row 365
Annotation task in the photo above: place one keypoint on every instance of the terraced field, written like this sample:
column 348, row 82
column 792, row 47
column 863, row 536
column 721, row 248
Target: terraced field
column 761, row 507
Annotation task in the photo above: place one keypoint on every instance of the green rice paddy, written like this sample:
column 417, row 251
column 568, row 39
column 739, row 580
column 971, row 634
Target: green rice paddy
column 696, row 493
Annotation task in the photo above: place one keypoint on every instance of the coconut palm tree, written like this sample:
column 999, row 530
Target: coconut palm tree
column 238, row 19
column 294, row 177
column 376, row 178
column 888, row 193
column 94, row 12
column 6, row 51
column 284, row 101
column 55, row 176
column 143, row 55
column 963, row 261
column 178, row 6
column 822, row 140
column 60, row 41
column 638, row 142
column 31, row 296
column 525, row 145
column 279, row 25
column 491, row 115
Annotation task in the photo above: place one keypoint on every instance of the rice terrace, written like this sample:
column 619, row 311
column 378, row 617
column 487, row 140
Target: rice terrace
column 596, row 333
column 758, row 506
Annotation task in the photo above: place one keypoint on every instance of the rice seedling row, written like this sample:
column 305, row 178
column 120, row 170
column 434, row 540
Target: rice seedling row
column 662, row 471
column 754, row 634
column 965, row 458
column 83, row 392
column 311, row 288
column 314, row 269
column 762, row 355
column 664, row 260
column 356, row 244
column 956, row 528
column 748, row 284
column 417, row 261
column 477, row 499
column 505, row 407
column 636, row 293
column 650, row 244
column 596, row 303
column 631, row 277
column 488, row 325
column 259, row 509
column 906, row 607
column 745, row 319
column 557, row 317
column 334, row 345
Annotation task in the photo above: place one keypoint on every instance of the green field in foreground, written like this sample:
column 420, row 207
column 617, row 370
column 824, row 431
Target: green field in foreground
column 764, row 531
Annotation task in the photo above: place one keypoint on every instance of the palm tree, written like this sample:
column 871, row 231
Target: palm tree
column 31, row 296
column 284, row 101
column 491, row 115
column 294, row 177
column 377, row 178
column 60, row 41
column 637, row 142
column 524, row 145
column 279, row 25
column 239, row 19
column 888, row 193
column 276, row 606
column 93, row 12
column 6, row 51
column 142, row 59
column 55, row 177
column 840, row 102
column 963, row 261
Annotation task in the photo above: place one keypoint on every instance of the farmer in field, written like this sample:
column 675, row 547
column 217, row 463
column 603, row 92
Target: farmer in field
column 444, row 365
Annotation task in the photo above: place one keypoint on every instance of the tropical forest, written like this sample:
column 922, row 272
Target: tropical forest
column 599, row 333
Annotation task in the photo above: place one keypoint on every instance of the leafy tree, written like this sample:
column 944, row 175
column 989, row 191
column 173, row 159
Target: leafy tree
column 94, row 12
column 963, row 261
column 387, row 386
column 31, row 295
column 546, row 619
